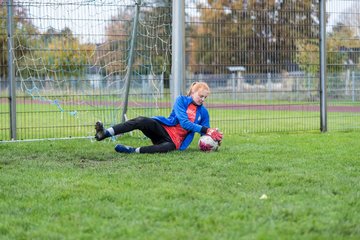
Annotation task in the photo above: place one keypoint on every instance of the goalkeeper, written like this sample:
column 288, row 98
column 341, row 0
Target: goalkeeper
column 174, row 132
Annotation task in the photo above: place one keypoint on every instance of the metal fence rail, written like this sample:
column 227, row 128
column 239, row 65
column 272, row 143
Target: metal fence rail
column 260, row 58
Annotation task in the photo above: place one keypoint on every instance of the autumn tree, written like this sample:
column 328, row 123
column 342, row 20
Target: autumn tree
column 260, row 35
column 55, row 57
column 112, row 54
column 24, row 35
column 348, row 28
column 152, row 40
column 58, row 54
column 342, row 45
column 66, row 55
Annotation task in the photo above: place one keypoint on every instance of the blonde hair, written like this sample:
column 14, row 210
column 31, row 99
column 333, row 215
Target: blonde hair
column 197, row 86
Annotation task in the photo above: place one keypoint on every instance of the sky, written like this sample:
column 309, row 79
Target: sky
column 336, row 7
column 88, row 18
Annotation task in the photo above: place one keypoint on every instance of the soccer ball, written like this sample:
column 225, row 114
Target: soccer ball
column 207, row 144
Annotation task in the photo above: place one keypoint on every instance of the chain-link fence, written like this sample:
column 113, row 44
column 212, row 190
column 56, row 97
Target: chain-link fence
column 343, row 59
column 73, row 60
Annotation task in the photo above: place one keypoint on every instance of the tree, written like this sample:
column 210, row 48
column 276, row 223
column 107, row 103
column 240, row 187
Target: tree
column 24, row 35
column 63, row 54
column 343, row 46
column 260, row 35
column 3, row 43
column 113, row 53
column 348, row 28
column 152, row 40
column 55, row 57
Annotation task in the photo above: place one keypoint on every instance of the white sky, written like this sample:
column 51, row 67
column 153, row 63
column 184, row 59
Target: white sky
column 88, row 18
column 336, row 7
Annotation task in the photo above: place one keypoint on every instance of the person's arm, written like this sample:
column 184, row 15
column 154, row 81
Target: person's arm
column 205, row 121
column 212, row 132
column 180, row 108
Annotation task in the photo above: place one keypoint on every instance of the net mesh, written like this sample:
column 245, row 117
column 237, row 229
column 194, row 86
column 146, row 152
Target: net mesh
column 76, row 61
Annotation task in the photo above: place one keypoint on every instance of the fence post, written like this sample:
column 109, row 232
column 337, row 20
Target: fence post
column 323, row 105
column 11, row 69
column 130, row 60
column 353, row 85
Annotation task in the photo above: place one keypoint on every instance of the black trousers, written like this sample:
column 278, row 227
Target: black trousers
column 150, row 128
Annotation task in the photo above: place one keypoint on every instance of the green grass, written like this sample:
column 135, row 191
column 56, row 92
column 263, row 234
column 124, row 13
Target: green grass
column 47, row 120
column 51, row 123
column 79, row 189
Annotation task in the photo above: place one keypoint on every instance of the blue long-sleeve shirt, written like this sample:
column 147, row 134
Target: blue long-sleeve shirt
column 178, row 115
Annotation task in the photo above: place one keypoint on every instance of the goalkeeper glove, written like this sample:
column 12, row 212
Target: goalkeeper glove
column 214, row 134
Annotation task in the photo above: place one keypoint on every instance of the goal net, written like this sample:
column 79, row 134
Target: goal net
column 73, row 59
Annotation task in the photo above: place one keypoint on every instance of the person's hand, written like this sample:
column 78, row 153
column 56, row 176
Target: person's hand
column 215, row 134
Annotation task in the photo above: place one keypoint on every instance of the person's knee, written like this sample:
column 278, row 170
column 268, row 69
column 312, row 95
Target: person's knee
column 139, row 121
column 145, row 121
column 139, row 118
column 170, row 146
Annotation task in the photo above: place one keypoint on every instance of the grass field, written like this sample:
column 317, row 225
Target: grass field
column 74, row 116
column 79, row 189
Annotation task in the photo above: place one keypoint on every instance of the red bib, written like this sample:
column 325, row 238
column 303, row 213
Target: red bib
column 177, row 133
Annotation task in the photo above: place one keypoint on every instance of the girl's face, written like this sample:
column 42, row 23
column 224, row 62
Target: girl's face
column 199, row 96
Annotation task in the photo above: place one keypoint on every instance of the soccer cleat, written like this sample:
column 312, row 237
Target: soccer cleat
column 101, row 132
column 124, row 149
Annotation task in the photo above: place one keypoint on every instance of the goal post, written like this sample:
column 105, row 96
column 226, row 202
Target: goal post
column 130, row 60
column 178, row 49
